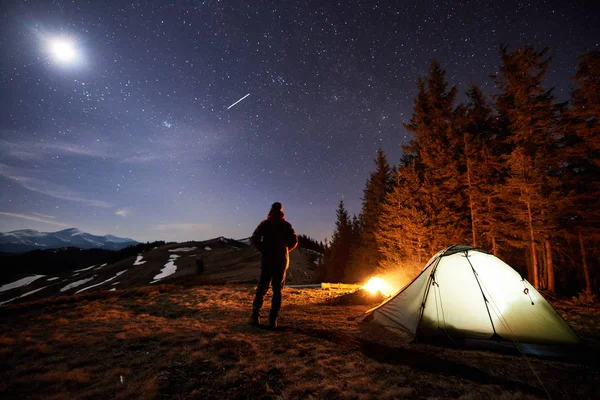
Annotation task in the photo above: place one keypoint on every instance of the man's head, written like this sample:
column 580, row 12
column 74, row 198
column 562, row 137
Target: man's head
column 277, row 206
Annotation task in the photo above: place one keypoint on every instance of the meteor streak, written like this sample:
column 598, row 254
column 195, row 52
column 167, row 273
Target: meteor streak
column 238, row 101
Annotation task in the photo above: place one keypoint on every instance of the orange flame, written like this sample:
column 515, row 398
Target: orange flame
column 377, row 285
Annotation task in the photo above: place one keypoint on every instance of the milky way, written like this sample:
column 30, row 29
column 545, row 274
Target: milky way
column 136, row 138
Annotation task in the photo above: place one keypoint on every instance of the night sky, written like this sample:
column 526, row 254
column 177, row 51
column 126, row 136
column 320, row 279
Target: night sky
column 130, row 132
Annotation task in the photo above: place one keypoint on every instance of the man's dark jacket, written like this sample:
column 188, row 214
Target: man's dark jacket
column 275, row 238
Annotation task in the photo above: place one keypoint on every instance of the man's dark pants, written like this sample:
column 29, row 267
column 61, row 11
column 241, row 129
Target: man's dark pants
column 269, row 275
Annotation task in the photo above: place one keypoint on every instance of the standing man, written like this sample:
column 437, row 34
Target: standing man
column 274, row 238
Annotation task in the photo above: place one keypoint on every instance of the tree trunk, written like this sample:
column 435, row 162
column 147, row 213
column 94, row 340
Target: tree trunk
column 551, row 287
column 551, row 284
column 472, row 221
column 534, row 262
column 492, row 235
column 470, row 185
column 543, row 268
column 586, row 271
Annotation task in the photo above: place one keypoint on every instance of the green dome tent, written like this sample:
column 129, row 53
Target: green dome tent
column 468, row 296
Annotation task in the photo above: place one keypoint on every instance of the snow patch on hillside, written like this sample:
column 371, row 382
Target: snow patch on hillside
column 100, row 267
column 84, row 269
column 138, row 261
column 207, row 248
column 21, row 282
column 182, row 249
column 77, row 283
column 98, row 284
column 52, row 279
column 169, row 269
column 23, row 295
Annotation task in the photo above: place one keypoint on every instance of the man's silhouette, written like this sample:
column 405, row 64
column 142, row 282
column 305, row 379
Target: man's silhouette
column 274, row 238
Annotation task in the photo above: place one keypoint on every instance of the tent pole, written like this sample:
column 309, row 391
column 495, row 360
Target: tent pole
column 485, row 301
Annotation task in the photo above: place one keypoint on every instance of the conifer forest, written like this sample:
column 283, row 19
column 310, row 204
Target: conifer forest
column 515, row 171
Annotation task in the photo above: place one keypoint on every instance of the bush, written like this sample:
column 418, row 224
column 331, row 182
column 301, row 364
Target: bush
column 585, row 299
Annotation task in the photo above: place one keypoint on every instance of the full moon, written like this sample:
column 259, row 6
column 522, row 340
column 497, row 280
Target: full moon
column 63, row 50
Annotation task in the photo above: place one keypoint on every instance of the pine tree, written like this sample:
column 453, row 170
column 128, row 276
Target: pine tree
column 582, row 156
column 530, row 114
column 306, row 242
column 366, row 256
column 437, row 149
column 356, row 231
column 338, row 252
column 404, row 233
column 479, row 166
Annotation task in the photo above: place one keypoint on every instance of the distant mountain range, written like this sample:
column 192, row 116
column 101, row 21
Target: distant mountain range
column 28, row 239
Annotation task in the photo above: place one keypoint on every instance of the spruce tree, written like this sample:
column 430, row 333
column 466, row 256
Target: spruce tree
column 404, row 233
column 366, row 256
column 338, row 252
column 582, row 156
column 530, row 114
column 437, row 148
column 477, row 165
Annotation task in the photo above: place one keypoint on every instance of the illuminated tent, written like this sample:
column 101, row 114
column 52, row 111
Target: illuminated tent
column 465, row 295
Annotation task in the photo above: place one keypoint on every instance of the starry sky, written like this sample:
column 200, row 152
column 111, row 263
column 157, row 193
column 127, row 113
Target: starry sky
column 135, row 135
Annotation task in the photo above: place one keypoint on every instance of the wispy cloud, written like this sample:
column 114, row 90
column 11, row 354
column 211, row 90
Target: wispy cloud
column 34, row 218
column 143, row 158
column 81, row 150
column 184, row 227
column 190, row 141
column 43, row 215
column 20, row 176
column 123, row 212
column 38, row 149
column 18, row 150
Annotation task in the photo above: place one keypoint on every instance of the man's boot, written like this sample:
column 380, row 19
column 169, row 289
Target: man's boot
column 273, row 322
column 255, row 319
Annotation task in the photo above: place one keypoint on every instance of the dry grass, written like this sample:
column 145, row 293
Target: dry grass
column 174, row 342
column 78, row 375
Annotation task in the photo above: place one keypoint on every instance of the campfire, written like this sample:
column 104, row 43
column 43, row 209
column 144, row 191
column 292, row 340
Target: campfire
column 375, row 285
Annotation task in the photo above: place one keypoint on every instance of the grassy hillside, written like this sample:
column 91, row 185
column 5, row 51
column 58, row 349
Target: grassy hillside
column 56, row 261
column 178, row 342
column 223, row 260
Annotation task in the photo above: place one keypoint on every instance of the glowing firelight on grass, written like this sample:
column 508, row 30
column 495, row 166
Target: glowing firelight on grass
column 377, row 285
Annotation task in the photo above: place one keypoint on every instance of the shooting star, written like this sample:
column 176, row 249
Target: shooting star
column 238, row 101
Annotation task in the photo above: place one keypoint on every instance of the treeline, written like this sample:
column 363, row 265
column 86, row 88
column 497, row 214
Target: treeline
column 516, row 173
column 52, row 261
column 306, row 242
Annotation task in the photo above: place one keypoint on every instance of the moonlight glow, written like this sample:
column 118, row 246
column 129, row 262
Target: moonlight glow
column 63, row 50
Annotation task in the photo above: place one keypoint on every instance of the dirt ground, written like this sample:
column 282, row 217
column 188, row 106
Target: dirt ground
column 177, row 342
